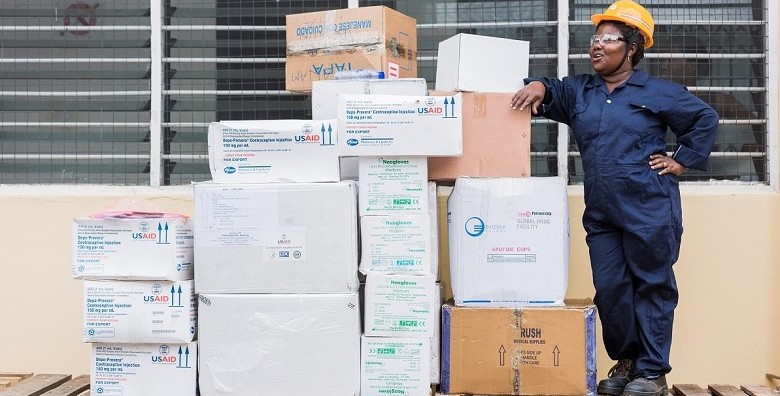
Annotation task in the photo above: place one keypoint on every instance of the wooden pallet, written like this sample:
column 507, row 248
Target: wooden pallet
column 29, row 384
column 721, row 390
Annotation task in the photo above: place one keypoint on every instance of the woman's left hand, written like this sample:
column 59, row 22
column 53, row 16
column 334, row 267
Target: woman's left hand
column 666, row 165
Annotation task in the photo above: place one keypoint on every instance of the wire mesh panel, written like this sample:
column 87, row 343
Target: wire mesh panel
column 77, row 103
column 74, row 105
column 717, row 49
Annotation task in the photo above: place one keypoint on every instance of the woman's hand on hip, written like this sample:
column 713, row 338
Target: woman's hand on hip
column 530, row 95
column 666, row 165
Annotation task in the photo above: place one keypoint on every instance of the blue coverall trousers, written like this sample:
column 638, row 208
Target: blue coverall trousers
column 633, row 220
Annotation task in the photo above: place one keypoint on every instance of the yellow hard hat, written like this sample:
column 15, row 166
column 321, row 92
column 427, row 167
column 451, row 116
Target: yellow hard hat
column 630, row 13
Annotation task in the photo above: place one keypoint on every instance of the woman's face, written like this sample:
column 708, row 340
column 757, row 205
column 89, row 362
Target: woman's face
column 604, row 58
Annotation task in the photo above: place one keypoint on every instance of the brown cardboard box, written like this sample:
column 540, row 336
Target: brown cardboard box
column 496, row 140
column 519, row 351
column 442, row 195
column 373, row 38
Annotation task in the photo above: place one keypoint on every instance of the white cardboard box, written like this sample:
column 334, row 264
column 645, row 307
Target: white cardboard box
column 279, row 344
column 396, row 244
column 273, row 151
column 324, row 94
column 475, row 63
column 373, row 125
column 395, row 366
column 325, row 103
column 144, row 369
column 393, row 185
column 399, row 305
column 154, row 248
column 436, row 339
column 276, row 238
column 509, row 241
column 139, row 311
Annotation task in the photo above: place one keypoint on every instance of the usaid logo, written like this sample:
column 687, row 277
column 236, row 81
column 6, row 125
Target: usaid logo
column 164, row 349
column 352, row 142
column 307, row 129
column 475, row 227
column 229, row 170
column 156, row 288
column 143, row 226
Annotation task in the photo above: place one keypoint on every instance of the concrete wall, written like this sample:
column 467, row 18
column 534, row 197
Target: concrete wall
column 726, row 328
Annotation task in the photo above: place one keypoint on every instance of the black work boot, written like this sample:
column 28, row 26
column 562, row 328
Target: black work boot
column 647, row 387
column 618, row 377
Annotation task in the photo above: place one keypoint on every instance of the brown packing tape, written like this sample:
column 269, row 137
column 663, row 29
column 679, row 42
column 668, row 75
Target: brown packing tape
column 337, row 50
column 399, row 52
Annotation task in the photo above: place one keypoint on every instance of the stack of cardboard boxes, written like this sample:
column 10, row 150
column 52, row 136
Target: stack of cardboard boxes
column 507, row 328
column 283, row 234
column 276, row 262
column 139, row 302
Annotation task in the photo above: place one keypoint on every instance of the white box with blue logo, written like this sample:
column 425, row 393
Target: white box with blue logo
column 374, row 125
column 325, row 103
column 279, row 344
column 144, row 369
column 400, row 305
column 509, row 241
column 153, row 248
column 139, row 311
column 273, row 151
column 395, row 366
column 276, row 238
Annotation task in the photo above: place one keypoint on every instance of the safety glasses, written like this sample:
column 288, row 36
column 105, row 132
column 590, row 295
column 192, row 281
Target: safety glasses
column 605, row 39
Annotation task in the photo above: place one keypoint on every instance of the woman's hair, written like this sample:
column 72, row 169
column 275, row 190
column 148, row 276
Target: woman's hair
column 632, row 36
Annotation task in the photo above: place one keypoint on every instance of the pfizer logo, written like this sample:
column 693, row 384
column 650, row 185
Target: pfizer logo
column 474, row 227
column 352, row 142
column 430, row 101
column 230, row 170
column 307, row 129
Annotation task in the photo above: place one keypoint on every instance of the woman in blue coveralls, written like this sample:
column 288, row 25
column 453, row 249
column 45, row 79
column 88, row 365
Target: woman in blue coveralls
column 633, row 217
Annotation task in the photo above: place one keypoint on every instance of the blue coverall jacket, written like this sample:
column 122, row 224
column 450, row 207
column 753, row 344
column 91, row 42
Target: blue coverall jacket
column 633, row 216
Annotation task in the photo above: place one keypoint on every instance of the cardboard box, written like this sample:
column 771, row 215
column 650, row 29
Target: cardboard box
column 393, row 185
column 273, row 151
column 496, row 140
column 442, row 195
column 154, row 248
column 509, row 241
column 472, row 63
column 276, row 238
column 436, row 339
column 400, row 305
column 144, row 369
column 395, row 366
column 519, row 351
column 375, row 125
column 139, row 311
column 279, row 344
column 433, row 218
column 319, row 44
column 325, row 94
column 396, row 244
